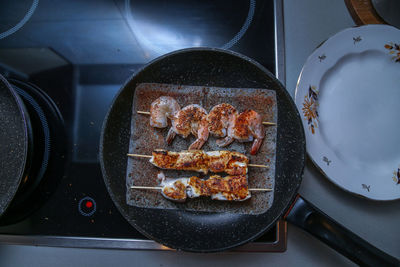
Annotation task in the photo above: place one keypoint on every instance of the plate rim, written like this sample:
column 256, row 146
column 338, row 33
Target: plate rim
column 296, row 99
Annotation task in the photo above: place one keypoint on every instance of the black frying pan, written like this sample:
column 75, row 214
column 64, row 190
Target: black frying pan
column 15, row 134
column 210, row 232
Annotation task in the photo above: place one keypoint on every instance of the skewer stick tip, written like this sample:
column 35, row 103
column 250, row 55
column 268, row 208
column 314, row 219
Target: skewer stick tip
column 146, row 187
column 139, row 156
column 143, row 112
column 258, row 166
column 261, row 189
column 268, row 123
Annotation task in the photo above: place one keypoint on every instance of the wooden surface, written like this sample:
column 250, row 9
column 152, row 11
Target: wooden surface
column 363, row 12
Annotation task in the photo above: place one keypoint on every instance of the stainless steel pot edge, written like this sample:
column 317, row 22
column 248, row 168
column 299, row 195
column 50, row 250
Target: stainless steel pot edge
column 132, row 244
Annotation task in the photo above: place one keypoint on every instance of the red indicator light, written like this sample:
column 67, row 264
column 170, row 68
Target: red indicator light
column 87, row 206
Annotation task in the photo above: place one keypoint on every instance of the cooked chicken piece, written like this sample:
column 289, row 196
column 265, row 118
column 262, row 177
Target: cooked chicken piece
column 233, row 163
column 229, row 188
column 190, row 119
column 194, row 160
column 162, row 109
column 219, row 119
column 246, row 127
column 173, row 189
column 197, row 187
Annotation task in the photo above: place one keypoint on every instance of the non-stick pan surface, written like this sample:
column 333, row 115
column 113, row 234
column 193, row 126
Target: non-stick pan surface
column 202, row 231
column 13, row 143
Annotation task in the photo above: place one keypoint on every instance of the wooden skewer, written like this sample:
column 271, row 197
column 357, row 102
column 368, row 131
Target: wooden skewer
column 139, row 156
column 160, row 188
column 268, row 123
column 143, row 112
column 261, row 189
column 258, row 165
column 264, row 122
column 146, row 187
column 149, row 157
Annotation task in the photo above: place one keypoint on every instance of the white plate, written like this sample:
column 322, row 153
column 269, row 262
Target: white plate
column 348, row 95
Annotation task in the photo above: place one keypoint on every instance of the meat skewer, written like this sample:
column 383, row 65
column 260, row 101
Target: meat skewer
column 228, row 188
column 159, row 188
column 233, row 163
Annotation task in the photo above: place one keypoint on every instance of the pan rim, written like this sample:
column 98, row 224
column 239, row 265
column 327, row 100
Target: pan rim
column 262, row 230
column 20, row 106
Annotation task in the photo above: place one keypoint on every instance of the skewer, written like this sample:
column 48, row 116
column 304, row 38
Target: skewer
column 258, row 165
column 160, row 188
column 261, row 189
column 146, row 187
column 149, row 157
column 268, row 123
column 143, row 112
column 264, row 122
column 139, row 156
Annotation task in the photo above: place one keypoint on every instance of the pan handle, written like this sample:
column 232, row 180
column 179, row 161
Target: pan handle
column 306, row 216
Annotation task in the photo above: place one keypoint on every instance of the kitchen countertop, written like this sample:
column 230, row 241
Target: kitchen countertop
column 307, row 24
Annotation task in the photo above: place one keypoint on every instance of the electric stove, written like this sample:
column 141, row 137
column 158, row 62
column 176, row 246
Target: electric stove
column 67, row 60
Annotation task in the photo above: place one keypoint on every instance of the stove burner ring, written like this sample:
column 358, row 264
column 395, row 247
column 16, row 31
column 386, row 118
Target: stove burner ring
column 232, row 42
column 244, row 28
column 18, row 26
column 46, row 130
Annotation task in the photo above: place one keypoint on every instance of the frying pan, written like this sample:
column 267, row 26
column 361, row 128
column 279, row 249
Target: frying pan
column 15, row 143
column 211, row 232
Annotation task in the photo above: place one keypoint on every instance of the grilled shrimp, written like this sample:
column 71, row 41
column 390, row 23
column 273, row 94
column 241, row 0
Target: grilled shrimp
column 162, row 109
column 219, row 119
column 247, row 127
column 190, row 119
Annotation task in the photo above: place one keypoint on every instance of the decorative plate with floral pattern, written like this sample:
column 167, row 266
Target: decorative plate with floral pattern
column 348, row 95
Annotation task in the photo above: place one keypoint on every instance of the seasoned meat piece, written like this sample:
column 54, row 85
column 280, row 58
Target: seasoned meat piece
column 197, row 187
column 233, row 163
column 229, row 188
column 190, row 160
column 174, row 190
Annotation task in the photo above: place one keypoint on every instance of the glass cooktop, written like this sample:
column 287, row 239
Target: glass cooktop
column 79, row 53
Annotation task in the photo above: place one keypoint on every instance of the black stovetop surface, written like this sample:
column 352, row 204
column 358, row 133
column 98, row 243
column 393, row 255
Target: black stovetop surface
column 80, row 53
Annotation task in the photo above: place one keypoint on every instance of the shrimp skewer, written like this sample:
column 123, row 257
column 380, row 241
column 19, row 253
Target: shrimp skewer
column 223, row 121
